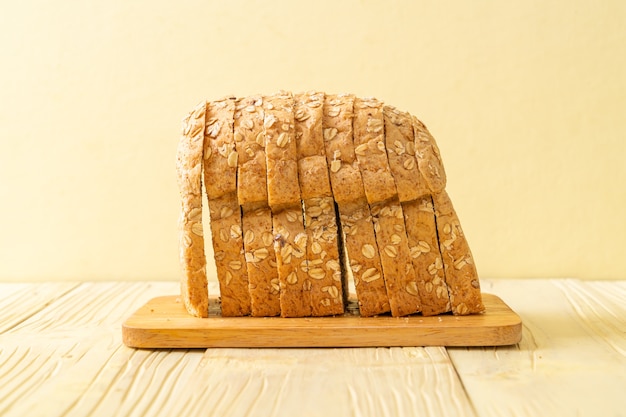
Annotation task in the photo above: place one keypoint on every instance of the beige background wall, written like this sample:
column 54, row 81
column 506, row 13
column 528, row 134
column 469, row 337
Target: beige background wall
column 526, row 99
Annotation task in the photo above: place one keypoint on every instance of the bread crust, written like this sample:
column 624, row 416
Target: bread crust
column 256, row 218
column 250, row 146
column 283, row 191
column 354, row 212
column 460, row 271
column 428, row 159
column 364, row 258
column 400, row 145
column 220, row 177
column 320, row 224
column 290, row 242
column 231, row 266
column 382, row 195
column 304, row 190
column 369, row 145
column 419, row 218
column 260, row 257
column 400, row 278
column 194, row 290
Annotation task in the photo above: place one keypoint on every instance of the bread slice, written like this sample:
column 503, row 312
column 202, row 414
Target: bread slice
column 256, row 218
column 320, row 223
column 290, row 242
column 387, row 215
column 220, row 178
column 232, row 274
column 357, row 229
column 369, row 147
column 194, row 290
column 364, row 258
column 250, row 146
column 419, row 218
column 283, row 189
column 328, row 286
column 400, row 145
column 429, row 160
column 460, row 272
column 400, row 277
column 260, row 257
column 284, row 199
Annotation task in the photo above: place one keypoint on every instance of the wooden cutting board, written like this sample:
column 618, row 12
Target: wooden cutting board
column 164, row 323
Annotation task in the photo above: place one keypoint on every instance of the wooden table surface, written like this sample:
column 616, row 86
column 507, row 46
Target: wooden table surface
column 61, row 354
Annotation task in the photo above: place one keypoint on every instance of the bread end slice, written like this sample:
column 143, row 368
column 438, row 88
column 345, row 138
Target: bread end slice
column 194, row 290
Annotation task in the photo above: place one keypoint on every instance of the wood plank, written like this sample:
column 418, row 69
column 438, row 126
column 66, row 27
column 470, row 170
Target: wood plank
column 76, row 365
column 93, row 304
column 18, row 301
column 382, row 382
column 68, row 359
column 67, row 349
column 571, row 360
column 164, row 323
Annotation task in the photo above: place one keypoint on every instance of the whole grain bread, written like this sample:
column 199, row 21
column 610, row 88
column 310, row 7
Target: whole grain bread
column 294, row 184
column 419, row 218
column 194, row 290
column 220, row 177
column 250, row 146
column 227, row 238
column 354, row 212
column 345, row 177
column 320, row 223
column 400, row 145
column 369, row 147
column 460, row 271
column 364, row 258
column 399, row 275
column 382, row 194
column 290, row 243
column 263, row 281
column 283, row 191
column 256, row 218
column 428, row 158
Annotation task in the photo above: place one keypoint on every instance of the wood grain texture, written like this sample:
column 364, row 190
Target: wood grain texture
column 381, row 382
column 164, row 323
column 64, row 356
column 52, row 359
column 20, row 301
column 571, row 358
